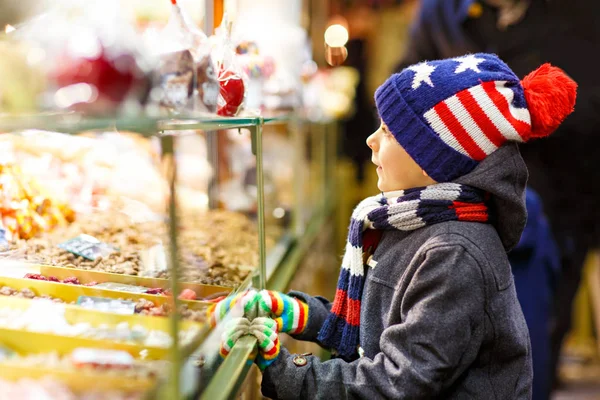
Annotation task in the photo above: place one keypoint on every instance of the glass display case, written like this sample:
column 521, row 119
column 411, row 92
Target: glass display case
column 116, row 260
column 129, row 207
column 100, row 224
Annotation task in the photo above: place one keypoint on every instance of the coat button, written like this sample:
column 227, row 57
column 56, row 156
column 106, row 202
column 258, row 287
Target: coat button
column 300, row 360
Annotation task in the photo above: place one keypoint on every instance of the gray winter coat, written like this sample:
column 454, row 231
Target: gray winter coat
column 439, row 312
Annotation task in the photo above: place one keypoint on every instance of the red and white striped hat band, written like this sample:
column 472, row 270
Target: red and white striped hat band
column 450, row 114
column 478, row 120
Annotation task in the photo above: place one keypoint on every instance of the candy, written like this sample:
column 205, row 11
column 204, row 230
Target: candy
column 246, row 47
column 207, row 84
column 110, row 78
column 176, row 76
column 231, row 93
column 25, row 210
column 187, row 294
column 72, row 280
column 155, row 291
column 142, row 306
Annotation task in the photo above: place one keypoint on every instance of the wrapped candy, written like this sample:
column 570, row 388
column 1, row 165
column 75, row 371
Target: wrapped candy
column 207, row 85
column 186, row 75
column 25, row 209
column 232, row 86
column 176, row 79
column 92, row 56
column 231, row 93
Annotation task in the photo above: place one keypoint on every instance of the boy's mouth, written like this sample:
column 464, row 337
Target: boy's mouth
column 376, row 164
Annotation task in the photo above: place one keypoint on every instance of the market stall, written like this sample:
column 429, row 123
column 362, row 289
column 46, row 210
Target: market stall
column 149, row 170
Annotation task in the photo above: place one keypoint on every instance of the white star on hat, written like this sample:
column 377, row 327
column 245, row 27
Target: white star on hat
column 423, row 73
column 468, row 62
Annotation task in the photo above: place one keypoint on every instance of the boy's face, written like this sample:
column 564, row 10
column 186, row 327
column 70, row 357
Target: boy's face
column 395, row 168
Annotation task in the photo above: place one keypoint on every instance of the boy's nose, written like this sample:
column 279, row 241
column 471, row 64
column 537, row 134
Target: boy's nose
column 371, row 141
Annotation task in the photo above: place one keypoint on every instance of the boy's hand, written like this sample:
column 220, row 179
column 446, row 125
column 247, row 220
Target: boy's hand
column 236, row 328
column 246, row 301
column 290, row 313
column 265, row 331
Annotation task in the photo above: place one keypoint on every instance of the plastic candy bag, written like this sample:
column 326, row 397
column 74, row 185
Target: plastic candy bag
column 207, row 86
column 232, row 85
column 91, row 55
column 186, row 78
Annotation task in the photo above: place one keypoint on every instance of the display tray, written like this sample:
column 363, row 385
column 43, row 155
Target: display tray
column 75, row 314
column 70, row 293
column 87, row 276
column 25, row 342
column 78, row 381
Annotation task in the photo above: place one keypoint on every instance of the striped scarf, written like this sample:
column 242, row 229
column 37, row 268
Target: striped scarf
column 408, row 210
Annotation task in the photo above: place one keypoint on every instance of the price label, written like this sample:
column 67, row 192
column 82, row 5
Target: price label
column 6, row 352
column 87, row 247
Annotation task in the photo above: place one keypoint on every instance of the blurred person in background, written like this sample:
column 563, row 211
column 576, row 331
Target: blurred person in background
column 563, row 168
column 535, row 263
column 358, row 126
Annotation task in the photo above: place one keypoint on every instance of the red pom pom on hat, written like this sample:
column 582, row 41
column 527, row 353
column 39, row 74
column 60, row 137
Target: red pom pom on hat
column 550, row 96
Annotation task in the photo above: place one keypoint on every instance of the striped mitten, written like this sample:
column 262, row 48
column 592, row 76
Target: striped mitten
column 247, row 302
column 235, row 329
column 265, row 331
column 290, row 313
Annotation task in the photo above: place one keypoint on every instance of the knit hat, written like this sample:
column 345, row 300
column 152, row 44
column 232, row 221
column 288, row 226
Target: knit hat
column 451, row 114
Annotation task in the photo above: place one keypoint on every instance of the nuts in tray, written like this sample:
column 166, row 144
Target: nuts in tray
column 217, row 247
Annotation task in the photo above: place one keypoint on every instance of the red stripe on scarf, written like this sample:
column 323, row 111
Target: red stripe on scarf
column 346, row 308
column 353, row 312
column 338, row 302
column 477, row 212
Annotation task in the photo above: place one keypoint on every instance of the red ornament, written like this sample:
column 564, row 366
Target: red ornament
column 231, row 93
column 550, row 96
column 112, row 78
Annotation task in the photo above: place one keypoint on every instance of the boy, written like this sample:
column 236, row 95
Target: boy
column 425, row 305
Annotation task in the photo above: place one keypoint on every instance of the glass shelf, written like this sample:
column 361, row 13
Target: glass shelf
column 71, row 122
column 74, row 122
